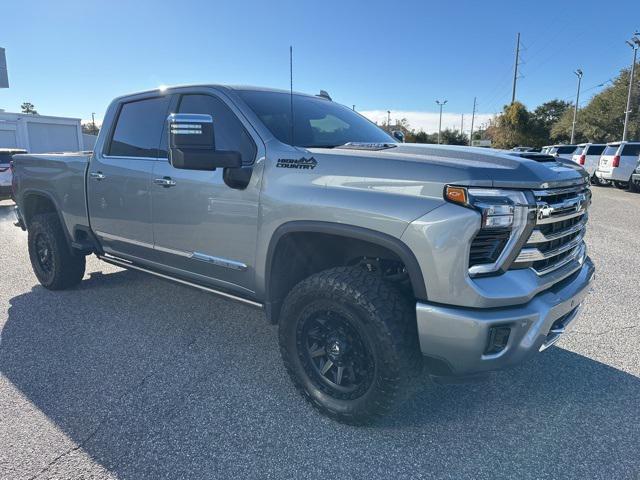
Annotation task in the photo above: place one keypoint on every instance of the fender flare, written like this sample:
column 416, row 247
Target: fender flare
column 394, row 244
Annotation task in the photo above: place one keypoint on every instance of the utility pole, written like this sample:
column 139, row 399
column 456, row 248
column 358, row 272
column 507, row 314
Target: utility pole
column 461, row 123
column 441, row 104
column 515, row 70
column 93, row 119
column 473, row 117
column 634, row 43
column 578, row 73
column 389, row 120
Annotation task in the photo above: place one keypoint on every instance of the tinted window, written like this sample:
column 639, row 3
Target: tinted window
column 566, row 149
column 611, row 149
column 595, row 150
column 228, row 131
column 139, row 128
column 317, row 122
column 632, row 149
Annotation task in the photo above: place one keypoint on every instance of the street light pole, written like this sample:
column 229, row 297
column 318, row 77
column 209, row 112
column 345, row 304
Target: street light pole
column 473, row 117
column 441, row 104
column 634, row 43
column 578, row 73
column 389, row 120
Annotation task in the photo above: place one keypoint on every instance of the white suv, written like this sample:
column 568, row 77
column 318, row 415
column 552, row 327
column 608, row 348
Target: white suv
column 562, row 151
column 588, row 155
column 618, row 161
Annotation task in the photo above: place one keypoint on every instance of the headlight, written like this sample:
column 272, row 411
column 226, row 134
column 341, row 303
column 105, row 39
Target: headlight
column 506, row 220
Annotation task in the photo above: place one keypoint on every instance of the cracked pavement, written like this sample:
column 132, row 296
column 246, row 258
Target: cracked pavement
column 133, row 377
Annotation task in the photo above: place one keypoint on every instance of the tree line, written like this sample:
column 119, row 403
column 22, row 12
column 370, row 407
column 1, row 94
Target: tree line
column 600, row 121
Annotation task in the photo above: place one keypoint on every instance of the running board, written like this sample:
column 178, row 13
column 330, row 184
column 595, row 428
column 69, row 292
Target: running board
column 125, row 264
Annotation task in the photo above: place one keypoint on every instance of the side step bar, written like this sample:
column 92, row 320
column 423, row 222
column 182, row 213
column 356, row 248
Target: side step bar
column 124, row 264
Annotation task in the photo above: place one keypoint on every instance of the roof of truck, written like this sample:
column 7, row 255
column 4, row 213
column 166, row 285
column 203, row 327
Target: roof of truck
column 250, row 88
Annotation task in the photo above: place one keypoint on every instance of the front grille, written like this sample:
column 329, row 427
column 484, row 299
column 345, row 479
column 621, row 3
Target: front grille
column 487, row 245
column 557, row 238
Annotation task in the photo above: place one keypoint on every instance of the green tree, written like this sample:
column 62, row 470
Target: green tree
column 602, row 120
column 452, row 137
column 28, row 107
column 90, row 128
column 512, row 127
column 543, row 118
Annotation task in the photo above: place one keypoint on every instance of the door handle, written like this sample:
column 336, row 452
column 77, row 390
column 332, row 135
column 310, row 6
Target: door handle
column 165, row 182
column 97, row 176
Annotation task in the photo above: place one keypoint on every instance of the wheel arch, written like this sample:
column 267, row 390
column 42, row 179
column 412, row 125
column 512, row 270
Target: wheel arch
column 35, row 202
column 282, row 271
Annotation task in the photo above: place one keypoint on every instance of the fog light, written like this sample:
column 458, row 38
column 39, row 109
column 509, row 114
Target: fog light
column 498, row 339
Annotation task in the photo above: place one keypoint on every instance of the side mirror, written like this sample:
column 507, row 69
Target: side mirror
column 192, row 144
column 398, row 135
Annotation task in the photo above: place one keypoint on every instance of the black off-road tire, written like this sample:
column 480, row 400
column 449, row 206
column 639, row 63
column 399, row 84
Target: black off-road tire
column 53, row 262
column 383, row 317
column 621, row 185
column 633, row 186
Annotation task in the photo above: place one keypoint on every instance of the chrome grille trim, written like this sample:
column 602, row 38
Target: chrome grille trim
column 547, row 250
column 533, row 254
column 538, row 237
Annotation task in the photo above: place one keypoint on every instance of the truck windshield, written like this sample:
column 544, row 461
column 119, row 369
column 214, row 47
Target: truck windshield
column 318, row 122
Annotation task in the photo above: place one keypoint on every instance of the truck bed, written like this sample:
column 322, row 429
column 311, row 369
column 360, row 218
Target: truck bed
column 60, row 178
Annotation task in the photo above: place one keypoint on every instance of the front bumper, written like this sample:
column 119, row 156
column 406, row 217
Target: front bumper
column 455, row 338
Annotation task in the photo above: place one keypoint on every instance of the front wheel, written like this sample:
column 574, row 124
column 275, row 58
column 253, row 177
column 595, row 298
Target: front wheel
column 349, row 343
column 53, row 262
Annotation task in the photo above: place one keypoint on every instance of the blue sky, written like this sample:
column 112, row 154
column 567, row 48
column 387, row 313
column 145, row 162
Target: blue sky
column 70, row 58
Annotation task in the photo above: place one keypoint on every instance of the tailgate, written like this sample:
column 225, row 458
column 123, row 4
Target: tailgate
column 605, row 163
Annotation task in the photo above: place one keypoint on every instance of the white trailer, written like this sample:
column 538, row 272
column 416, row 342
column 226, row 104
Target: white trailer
column 40, row 133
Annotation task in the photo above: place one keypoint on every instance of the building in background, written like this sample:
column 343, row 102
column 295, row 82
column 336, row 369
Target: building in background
column 41, row 133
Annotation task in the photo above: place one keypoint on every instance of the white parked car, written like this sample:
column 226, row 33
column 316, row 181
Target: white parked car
column 618, row 162
column 562, row 151
column 588, row 155
column 5, row 171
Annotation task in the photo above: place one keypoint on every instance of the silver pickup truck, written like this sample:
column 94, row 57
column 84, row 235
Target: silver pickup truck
column 375, row 258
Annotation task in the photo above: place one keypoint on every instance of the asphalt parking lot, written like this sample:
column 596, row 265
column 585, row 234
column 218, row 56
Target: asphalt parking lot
column 132, row 377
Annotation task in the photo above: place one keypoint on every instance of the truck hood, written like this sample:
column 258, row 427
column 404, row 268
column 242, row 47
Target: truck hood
column 470, row 166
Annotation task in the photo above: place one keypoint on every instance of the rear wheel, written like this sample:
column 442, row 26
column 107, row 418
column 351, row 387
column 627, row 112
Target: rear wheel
column 621, row 185
column 53, row 262
column 349, row 343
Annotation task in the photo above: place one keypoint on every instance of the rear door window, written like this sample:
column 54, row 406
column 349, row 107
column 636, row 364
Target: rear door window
column 631, row 149
column 611, row 149
column 595, row 150
column 566, row 149
column 139, row 128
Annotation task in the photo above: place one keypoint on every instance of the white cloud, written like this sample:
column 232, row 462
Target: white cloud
column 428, row 121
